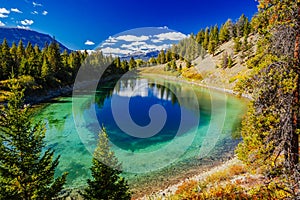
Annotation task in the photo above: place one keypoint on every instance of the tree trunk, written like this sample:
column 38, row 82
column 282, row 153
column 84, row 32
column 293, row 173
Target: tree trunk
column 296, row 125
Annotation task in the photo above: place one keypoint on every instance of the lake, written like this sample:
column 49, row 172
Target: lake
column 157, row 128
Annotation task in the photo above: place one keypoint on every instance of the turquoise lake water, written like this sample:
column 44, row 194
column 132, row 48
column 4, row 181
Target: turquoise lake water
column 152, row 124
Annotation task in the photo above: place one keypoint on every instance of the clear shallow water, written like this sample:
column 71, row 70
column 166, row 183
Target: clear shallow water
column 188, row 134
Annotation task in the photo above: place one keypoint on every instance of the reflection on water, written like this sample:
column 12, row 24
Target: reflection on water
column 66, row 139
column 141, row 96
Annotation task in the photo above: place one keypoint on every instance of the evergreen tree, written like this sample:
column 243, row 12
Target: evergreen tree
column 124, row 65
column 6, row 60
column 215, row 34
column 20, row 51
column 132, row 64
column 107, row 184
column 206, row 39
column 237, row 45
column 173, row 65
column 26, row 170
column 45, row 72
column 168, row 55
column 161, row 57
column 240, row 25
column 212, row 46
column 15, row 61
column 54, row 58
column 200, row 36
column 231, row 28
column 65, row 59
column 152, row 61
column 247, row 27
column 271, row 128
column 224, row 33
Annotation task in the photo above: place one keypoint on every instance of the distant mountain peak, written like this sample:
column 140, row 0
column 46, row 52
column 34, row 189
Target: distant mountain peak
column 27, row 35
column 141, row 42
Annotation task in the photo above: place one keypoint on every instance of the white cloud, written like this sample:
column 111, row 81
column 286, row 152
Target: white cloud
column 90, row 43
column 3, row 16
column 35, row 12
column 152, row 47
column 2, row 24
column 115, row 51
column 132, row 38
column 156, row 41
column 164, row 27
column 134, row 44
column 174, row 36
column 107, row 44
column 45, row 12
column 16, row 10
column 4, row 12
column 36, row 4
column 27, row 22
column 23, row 27
column 111, row 40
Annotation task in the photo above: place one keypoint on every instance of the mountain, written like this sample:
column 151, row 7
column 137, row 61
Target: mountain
column 17, row 34
column 141, row 43
column 142, row 55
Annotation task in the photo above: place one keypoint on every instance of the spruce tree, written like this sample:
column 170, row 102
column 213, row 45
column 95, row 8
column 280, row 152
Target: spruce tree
column 107, row 184
column 212, row 46
column 224, row 33
column 6, row 60
column 132, row 64
column 206, row 39
column 26, row 167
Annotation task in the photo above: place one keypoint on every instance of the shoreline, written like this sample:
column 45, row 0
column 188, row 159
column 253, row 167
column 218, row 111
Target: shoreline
column 170, row 190
column 64, row 90
column 197, row 83
column 68, row 89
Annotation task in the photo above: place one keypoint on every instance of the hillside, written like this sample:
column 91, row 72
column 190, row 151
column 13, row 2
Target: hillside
column 211, row 66
column 209, row 71
column 17, row 34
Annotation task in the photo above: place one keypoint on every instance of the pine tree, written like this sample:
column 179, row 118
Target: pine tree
column 45, row 72
column 224, row 33
column 271, row 128
column 107, row 184
column 237, row 45
column 20, row 50
column 168, row 55
column 26, row 168
column 231, row 28
column 212, row 46
column 54, row 58
column 206, row 39
column 124, row 65
column 152, row 61
column 132, row 63
column 200, row 36
column 215, row 34
column 281, row 21
column 161, row 57
column 240, row 25
column 6, row 60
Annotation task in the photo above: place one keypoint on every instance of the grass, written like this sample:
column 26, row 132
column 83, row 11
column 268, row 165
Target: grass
column 159, row 69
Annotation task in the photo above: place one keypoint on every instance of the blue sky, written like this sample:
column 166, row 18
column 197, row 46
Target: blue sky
column 74, row 22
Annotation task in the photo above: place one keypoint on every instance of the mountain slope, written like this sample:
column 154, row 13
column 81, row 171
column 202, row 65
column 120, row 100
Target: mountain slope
column 17, row 34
